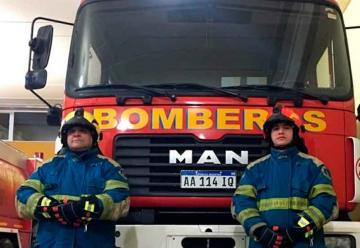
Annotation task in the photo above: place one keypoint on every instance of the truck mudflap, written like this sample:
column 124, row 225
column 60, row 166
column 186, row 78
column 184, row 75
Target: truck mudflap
column 356, row 149
column 339, row 234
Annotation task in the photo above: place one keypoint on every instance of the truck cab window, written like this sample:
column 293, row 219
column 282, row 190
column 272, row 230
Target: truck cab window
column 221, row 45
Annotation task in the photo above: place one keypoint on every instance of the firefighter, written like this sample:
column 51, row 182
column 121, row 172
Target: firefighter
column 77, row 196
column 284, row 198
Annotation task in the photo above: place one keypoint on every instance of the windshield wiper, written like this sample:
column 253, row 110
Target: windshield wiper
column 273, row 99
column 201, row 87
column 121, row 99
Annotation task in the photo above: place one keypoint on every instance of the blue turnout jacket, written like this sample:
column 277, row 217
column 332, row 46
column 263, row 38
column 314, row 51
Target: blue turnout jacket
column 71, row 176
column 278, row 188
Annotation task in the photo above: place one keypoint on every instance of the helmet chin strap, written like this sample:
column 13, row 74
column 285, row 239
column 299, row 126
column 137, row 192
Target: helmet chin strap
column 291, row 144
column 82, row 149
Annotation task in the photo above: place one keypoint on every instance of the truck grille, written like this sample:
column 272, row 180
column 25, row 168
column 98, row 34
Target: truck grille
column 145, row 160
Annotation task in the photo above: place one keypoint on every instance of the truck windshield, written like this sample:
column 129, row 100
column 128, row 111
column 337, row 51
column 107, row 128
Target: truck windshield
column 226, row 44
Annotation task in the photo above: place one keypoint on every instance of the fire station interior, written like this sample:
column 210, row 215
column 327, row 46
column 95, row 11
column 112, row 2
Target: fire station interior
column 24, row 121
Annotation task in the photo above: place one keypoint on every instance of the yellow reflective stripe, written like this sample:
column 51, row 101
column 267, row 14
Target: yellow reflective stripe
column 113, row 184
column 303, row 222
column 253, row 228
column 22, row 210
column 107, row 203
column 252, row 164
column 321, row 188
column 120, row 209
column 46, row 215
column 35, row 184
column 113, row 211
column 316, row 215
column 246, row 214
column 295, row 203
column 111, row 161
column 45, row 202
column 315, row 160
column 27, row 210
column 247, row 190
column 32, row 202
column 87, row 219
column 90, row 207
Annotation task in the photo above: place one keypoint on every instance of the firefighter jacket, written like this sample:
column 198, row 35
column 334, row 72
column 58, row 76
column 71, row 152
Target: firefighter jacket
column 71, row 176
column 281, row 186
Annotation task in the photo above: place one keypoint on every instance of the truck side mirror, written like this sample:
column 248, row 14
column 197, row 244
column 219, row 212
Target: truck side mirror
column 41, row 46
column 35, row 79
column 358, row 113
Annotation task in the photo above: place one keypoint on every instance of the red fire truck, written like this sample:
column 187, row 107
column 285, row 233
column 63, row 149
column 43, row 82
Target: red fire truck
column 181, row 89
column 15, row 167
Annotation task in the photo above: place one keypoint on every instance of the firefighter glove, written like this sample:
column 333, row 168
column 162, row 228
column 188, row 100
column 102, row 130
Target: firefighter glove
column 306, row 226
column 269, row 238
column 303, row 229
column 44, row 207
column 77, row 212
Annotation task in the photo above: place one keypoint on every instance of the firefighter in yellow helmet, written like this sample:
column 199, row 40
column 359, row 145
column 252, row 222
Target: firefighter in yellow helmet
column 77, row 196
column 284, row 198
column 83, row 119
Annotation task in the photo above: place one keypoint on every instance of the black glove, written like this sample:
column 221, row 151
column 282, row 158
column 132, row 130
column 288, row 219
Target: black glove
column 44, row 207
column 269, row 238
column 303, row 229
column 77, row 212
column 294, row 234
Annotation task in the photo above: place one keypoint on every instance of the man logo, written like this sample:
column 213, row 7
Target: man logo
column 208, row 157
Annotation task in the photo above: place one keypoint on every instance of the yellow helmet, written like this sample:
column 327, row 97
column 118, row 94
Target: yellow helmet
column 82, row 118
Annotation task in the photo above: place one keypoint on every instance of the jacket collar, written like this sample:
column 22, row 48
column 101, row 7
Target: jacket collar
column 92, row 152
column 285, row 153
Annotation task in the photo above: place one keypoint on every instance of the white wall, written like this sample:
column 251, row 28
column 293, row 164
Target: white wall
column 15, row 25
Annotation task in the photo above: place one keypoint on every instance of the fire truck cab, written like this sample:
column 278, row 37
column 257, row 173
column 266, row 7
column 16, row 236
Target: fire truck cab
column 181, row 89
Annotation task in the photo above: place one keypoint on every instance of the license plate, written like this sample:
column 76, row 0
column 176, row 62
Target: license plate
column 209, row 179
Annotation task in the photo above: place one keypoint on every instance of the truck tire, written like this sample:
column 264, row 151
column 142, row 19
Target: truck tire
column 6, row 243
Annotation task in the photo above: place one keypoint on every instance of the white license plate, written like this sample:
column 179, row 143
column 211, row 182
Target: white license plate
column 209, row 179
